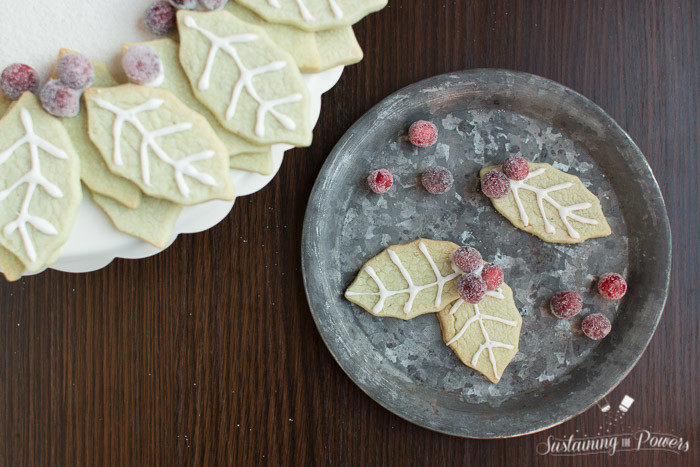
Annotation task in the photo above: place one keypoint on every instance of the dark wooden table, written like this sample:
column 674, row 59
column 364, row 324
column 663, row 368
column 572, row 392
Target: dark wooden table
column 207, row 354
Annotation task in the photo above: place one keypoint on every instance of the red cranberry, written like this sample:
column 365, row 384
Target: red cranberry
column 213, row 4
column 75, row 71
column 160, row 18
column 184, row 4
column 60, row 100
column 467, row 259
column 516, row 168
column 422, row 133
column 492, row 276
column 566, row 304
column 495, row 184
column 471, row 288
column 612, row 286
column 141, row 64
column 18, row 78
column 596, row 326
column 437, row 180
column 380, row 181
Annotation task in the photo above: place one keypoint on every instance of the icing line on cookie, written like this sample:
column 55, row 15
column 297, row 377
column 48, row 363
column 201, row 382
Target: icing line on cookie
column 412, row 290
column 542, row 194
column 245, row 78
column 304, row 11
column 33, row 178
column 181, row 167
column 480, row 318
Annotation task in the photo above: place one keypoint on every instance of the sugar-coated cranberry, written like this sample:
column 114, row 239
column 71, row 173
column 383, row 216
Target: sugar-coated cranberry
column 516, row 168
column 141, row 64
column 495, row 184
column 492, row 276
column 437, row 180
column 422, row 133
column 612, row 286
column 380, row 180
column 75, row 71
column 213, row 4
column 60, row 100
column 160, row 18
column 596, row 326
column 184, row 4
column 566, row 304
column 471, row 288
column 18, row 78
column 467, row 259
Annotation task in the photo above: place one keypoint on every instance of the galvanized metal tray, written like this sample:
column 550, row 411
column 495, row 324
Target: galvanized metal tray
column 484, row 115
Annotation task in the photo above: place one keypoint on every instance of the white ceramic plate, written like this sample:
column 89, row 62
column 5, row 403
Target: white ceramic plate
column 45, row 27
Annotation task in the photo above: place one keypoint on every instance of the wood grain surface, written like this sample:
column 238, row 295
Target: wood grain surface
column 207, row 354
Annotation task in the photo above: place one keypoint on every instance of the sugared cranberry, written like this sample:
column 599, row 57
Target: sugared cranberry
column 495, row 184
column 380, row 180
column 160, row 18
column 75, row 71
column 467, row 259
column 596, row 326
column 437, row 180
column 516, row 168
column 492, row 276
column 213, row 4
column 141, row 64
column 612, row 286
column 59, row 99
column 471, row 288
column 18, row 78
column 566, row 304
column 184, row 4
column 422, row 133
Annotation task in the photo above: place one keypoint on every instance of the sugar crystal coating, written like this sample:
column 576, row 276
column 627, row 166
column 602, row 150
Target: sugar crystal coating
column 18, row 78
column 422, row 133
column 467, row 259
column 566, row 304
column 141, row 64
column 60, row 100
column 596, row 326
column 160, row 18
column 516, row 168
column 495, row 184
column 437, row 180
column 184, row 4
column 492, row 276
column 75, row 71
column 213, row 4
column 380, row 180
column 471, row 288
column 612, row 286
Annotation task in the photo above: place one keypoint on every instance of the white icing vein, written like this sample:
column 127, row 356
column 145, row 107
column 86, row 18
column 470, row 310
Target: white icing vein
column 480, row 318
column 181, row 167
column 542, row 194
column 304, row 11
column 245, row 78
column 33, row 178
column 412, row 290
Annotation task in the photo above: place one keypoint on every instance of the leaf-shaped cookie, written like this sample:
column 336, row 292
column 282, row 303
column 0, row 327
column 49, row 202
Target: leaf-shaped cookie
column 252, row 86
column 405, row 281
column 244, row 155
column 39, row 183
column 314, row 15
column 93, row 170
column 149, row 137
column 484, row 336
column 312, row 52
column 552, row 205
